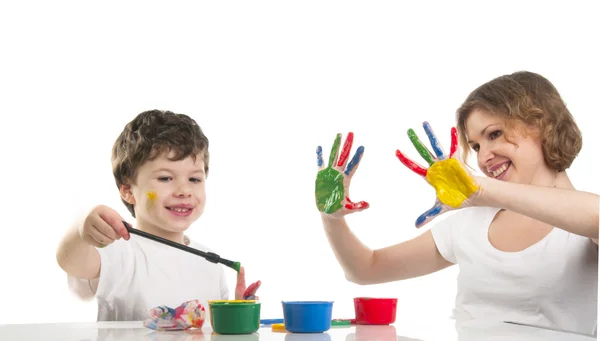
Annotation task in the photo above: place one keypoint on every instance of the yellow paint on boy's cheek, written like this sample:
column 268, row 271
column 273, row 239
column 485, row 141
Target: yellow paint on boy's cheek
column 151, row 195
column 451, row 182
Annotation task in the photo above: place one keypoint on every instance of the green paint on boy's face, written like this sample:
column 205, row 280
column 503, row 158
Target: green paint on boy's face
column 329, row 190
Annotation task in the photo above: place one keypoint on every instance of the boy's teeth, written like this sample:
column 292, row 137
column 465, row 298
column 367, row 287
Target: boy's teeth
column 176, row 209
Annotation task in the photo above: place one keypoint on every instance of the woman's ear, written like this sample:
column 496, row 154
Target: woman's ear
column 127, row 194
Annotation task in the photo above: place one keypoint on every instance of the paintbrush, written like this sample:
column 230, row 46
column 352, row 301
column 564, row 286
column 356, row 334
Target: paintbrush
column 209, row 256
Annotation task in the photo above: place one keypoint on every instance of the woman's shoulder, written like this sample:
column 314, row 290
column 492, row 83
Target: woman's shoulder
column 470, row 217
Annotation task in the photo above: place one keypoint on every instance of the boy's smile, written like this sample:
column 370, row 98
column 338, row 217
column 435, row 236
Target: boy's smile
column 169, row 195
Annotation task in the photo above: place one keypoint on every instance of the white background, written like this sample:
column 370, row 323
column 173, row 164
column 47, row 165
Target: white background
column 268, row 82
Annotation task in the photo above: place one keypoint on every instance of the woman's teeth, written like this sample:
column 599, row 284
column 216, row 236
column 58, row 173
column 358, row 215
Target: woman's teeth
column 500, row 170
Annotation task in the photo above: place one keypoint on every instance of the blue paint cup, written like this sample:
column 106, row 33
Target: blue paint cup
column 307, row 316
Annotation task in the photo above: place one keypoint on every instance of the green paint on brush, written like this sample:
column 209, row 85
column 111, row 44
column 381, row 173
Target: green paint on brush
column 329, row 190
column 425, row 154
column 236, row 266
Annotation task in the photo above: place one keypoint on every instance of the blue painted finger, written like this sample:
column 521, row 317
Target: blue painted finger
column 428, row 215
column 319, row 156
column 435, row 144
column 355, row 159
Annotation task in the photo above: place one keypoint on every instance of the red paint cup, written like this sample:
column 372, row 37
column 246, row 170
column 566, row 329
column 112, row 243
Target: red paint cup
column 371, row 310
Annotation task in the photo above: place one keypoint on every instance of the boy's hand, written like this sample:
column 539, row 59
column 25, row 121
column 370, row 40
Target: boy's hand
column 454, row 185
column 243, row 293
column 102, row 226
column 332, row 186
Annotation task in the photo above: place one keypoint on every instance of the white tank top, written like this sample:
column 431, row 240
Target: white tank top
column 553, row 283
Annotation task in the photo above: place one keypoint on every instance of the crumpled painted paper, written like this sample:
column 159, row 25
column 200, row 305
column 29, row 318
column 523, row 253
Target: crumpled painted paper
column 190, row 314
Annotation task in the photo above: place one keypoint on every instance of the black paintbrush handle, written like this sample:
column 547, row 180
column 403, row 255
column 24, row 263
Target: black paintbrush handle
column 209, row 256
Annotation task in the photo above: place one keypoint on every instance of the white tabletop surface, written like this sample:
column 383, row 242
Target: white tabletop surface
column 414, row 331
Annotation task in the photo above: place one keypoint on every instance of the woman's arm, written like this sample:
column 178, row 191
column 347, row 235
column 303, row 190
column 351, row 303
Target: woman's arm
column 412, row 258
column 568, row 209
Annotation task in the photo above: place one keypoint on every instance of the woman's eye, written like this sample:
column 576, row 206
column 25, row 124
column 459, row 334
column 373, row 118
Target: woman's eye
column 495, row 134
column 475, row 147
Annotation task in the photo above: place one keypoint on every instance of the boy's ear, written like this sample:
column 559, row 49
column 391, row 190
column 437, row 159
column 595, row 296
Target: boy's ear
column 127, row 194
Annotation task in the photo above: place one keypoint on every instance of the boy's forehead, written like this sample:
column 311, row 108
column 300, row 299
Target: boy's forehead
column 165, row 161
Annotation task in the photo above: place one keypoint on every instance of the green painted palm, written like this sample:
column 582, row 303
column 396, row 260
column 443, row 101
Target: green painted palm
column 332, row 183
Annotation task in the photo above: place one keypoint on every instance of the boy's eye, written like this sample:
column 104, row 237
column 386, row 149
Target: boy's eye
column 164, row 178
column 195, row 180
column 495, row 134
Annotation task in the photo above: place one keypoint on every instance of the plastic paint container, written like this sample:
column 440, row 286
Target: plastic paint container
column 234, row 317
column 370, row 310
column 307, row 316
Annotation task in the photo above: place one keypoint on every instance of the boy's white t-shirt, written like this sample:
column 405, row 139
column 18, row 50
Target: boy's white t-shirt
column 140, row 274
column 553, row 283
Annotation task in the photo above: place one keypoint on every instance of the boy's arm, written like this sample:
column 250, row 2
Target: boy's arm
column 76, row 257
column 568, row 209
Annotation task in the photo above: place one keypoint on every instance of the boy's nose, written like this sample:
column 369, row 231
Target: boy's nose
column 183, row 191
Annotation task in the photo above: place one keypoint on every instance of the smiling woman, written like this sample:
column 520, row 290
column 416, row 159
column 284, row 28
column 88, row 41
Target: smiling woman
column 509, row 226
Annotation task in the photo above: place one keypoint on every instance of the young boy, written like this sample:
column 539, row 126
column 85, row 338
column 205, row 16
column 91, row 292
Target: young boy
column 160, row 164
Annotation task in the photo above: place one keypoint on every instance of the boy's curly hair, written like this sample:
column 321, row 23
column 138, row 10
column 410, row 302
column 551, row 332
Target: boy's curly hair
column 527, row 98
column 150, row 134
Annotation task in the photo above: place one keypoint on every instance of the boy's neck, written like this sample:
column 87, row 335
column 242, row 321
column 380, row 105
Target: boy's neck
column 177, row 237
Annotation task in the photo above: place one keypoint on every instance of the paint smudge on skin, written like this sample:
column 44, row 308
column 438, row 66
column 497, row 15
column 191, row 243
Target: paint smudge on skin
column 346, row 149
column 435, row 144
column 451, row 182
column 151, row 195
column 454, row 143
column 329, row 185
column 355, row 159
column 432, row 212
column 250, row 292
column 425, row 154
column 410, row 164
column 334, row 149
column 319, row 156
column 356, row 205
column 329, row 190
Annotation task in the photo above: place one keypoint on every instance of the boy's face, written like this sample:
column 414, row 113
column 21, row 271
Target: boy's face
column 519, row 161
column 169, row 195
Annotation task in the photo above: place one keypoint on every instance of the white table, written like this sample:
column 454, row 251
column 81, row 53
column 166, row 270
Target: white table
column 414, row 331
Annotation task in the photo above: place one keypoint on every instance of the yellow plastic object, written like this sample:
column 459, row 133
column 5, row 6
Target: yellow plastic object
column 278, row 327
column 232, row 301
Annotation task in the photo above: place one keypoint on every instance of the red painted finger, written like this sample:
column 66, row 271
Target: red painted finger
column 454, row 142
column 251, row 290
column 356, row 205
column 346, row 149
column 410, row 164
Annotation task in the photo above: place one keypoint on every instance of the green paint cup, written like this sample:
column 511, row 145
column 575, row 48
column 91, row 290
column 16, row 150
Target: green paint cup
column 235, row 317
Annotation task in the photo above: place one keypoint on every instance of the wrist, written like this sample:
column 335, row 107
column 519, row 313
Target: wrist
column 330, row 217
column 482, row 196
